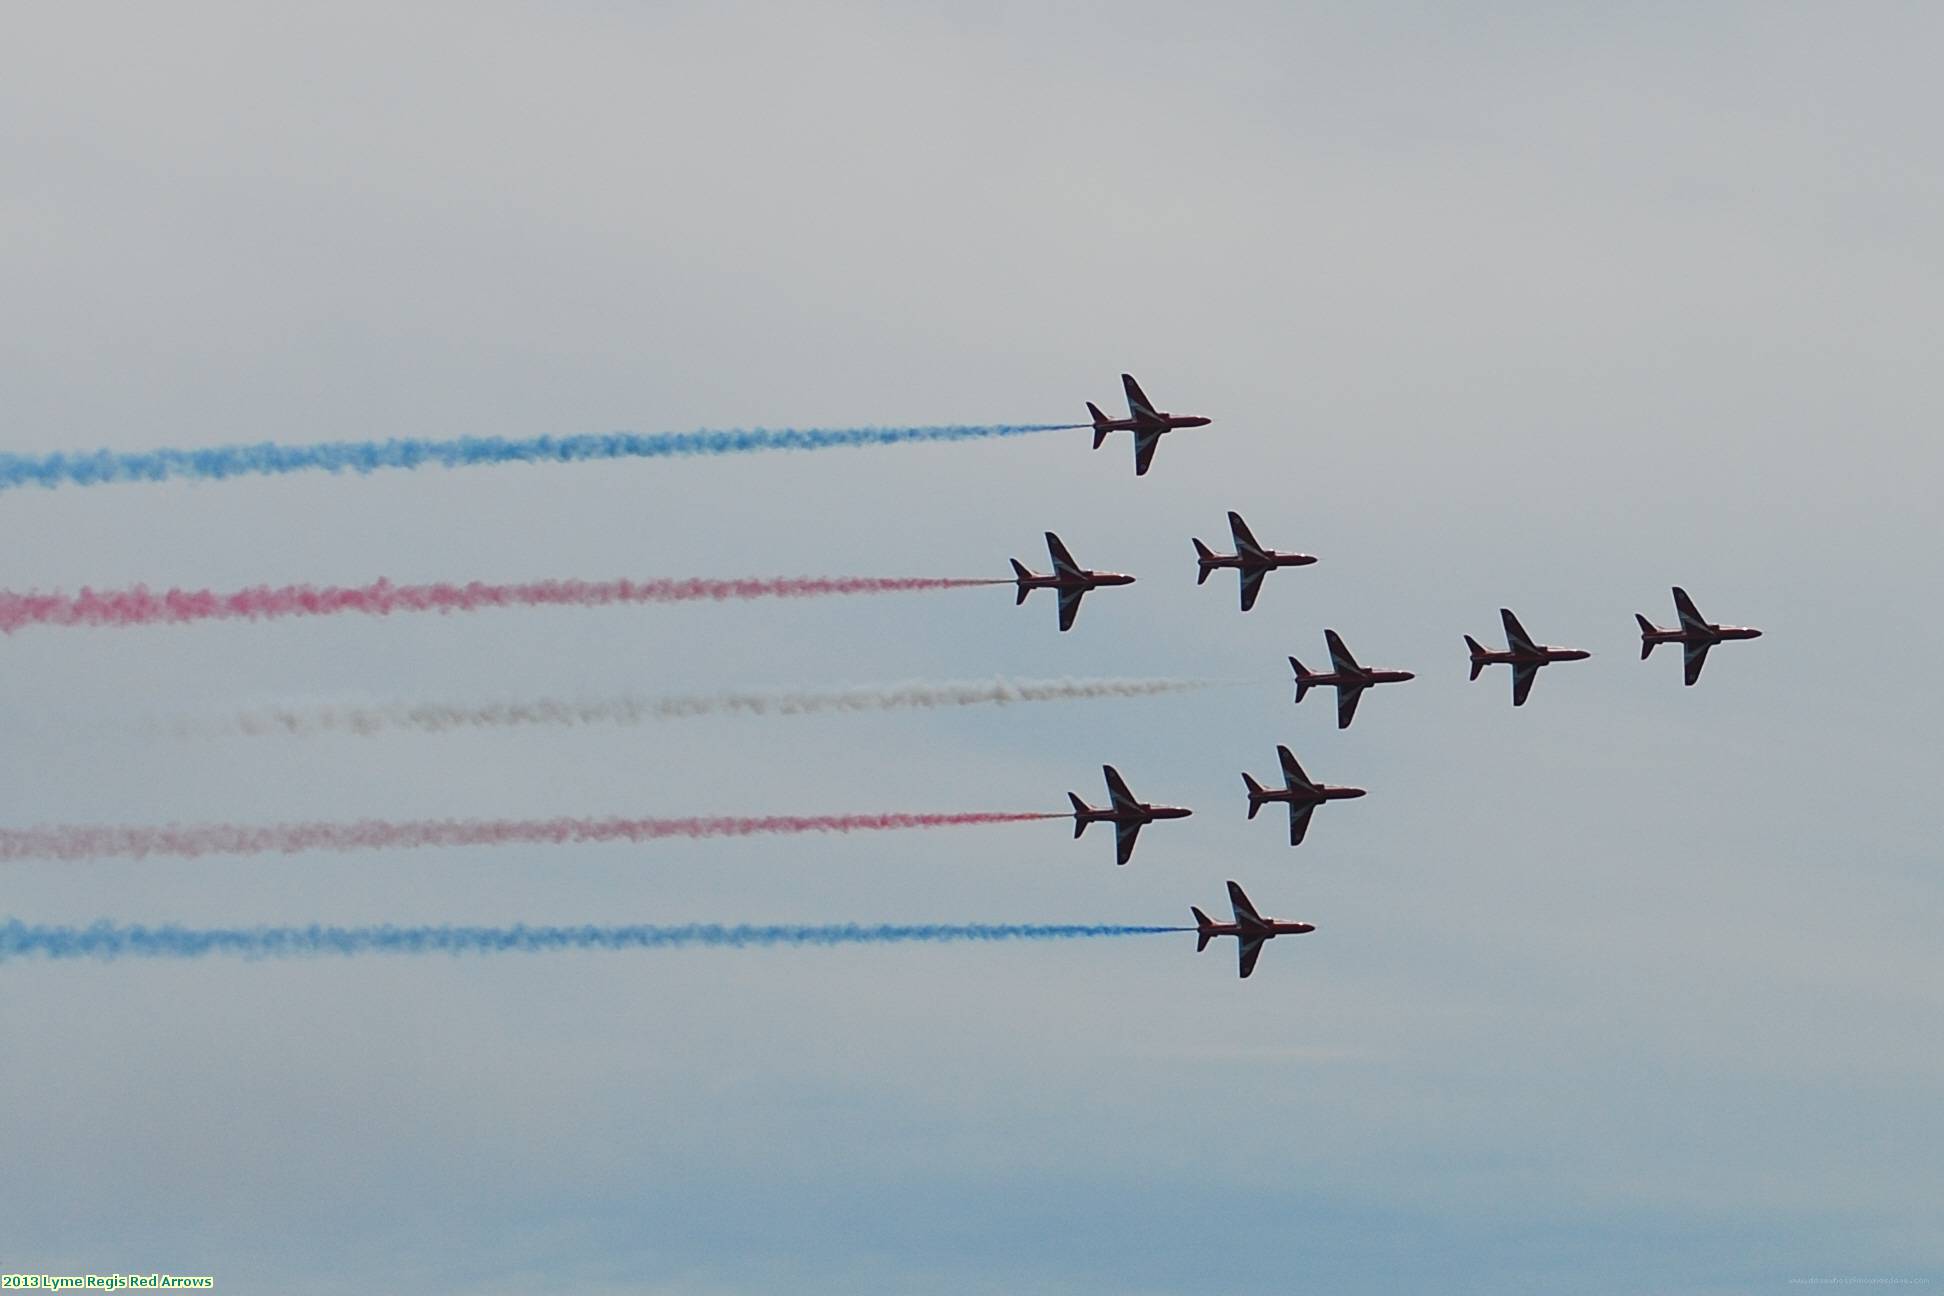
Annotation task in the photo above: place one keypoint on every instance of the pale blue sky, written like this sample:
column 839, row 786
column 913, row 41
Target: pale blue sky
column 1635, row 989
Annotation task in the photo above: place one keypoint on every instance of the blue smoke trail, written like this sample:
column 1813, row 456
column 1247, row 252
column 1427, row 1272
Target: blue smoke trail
column 220, row 462
column 107, row 941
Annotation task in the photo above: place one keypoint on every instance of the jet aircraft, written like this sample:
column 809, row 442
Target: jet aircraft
column 1069, row 578
column 1127, row 815
column 1302, row 794
column 1695, row 635
column 1250, row 929
column 1144, row 421
column 1524, row 656
column 1250, row 559
column 1349, row 679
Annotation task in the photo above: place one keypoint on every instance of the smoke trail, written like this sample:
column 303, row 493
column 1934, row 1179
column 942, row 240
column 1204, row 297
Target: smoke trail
column 143, row 606
column 436, row 717
column 79, row 842
column 106, row 941
column 221, row 462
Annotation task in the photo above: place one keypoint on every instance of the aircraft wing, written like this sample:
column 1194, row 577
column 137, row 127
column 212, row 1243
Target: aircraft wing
column 1299, row 821
column 1250, row 949
column 1252, row 585
column 1145, row 440
column 1063, row 564
column 1340, row 656
column 1117, row 789
column 1138, row 405
column 1691, row 618
column 1125, row 831
column 1348, row 695
column 1523, row 673
column 1695, row 657
column 1245, row 912
column 1293, row 775
column 1070, row 596
column 1245, row 543
column 1515, row 636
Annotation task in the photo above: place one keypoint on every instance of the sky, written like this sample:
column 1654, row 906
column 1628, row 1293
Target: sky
column 1634, row 989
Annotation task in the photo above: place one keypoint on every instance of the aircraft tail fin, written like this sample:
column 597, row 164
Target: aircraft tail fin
column 1647, row 630
column 1255, row 794
column 1021, row 575
column 1205, row 556
column 1302, row 678
column 1477, row 655
column 1082, row 814
column 1100, row 428
column 1202, row 933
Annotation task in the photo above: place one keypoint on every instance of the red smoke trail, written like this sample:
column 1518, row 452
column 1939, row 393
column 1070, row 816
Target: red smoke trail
column 143, row 606
column 196, row 840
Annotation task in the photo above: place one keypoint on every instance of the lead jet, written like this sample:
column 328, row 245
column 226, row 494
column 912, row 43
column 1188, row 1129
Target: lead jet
column 1300, row 791
column 1524, row 656
column 1250, row 929
column 1069, row 578
column 1144, row 421
column 1695, row 635
column 1126, row 814
column 1349, row 679
column 1250, row 559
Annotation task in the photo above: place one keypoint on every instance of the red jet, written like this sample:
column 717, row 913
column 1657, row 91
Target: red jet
column 1250, row 929
column 1127, row 815
column 1696, row 634
column 1144, row 421
column 1524, row 656
column 1250, row 559
column 1069, row 578
column 1302, row 794
column 1349, row 678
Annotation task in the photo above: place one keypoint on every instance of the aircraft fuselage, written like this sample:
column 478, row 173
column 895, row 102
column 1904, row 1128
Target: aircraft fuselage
column 1267, row 929
column 1085, row 580
column 1308, row 795
column 1159, row 423
column 1713, row 634
column 1358, row 679
column 1544, row 654
column 1268, row 560
column 1143, row 814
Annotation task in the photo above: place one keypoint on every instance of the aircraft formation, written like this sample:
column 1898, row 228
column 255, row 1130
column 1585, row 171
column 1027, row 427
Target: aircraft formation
column 1350, row 678
column 1252, row 561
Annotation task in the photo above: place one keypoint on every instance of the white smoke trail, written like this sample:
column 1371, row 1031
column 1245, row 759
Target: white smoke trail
column 441, row 717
